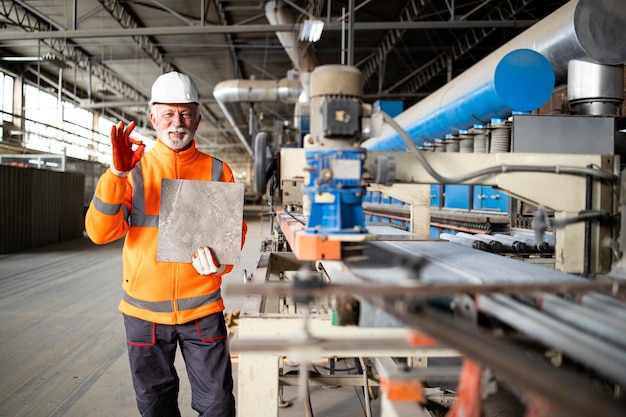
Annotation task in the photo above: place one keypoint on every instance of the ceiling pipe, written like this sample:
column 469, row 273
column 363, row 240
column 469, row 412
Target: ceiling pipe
column 238, row 121
column 300, row 53
column 254, row 91
column 230, row 94
column 591, row 30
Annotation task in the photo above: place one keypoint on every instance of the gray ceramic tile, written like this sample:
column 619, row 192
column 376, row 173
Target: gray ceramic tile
column 200, row 213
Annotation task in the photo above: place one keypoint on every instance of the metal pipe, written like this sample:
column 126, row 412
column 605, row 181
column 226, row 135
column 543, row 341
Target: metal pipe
column 494, row 245
column 542, row 246
column 464, row 241
column 230, row 93
column 569, row 393
column 237, row 119
column 253, row 91
column 351, row 32
column 74, row 23
column 510, row 242
column 602, row 325
column 597, row 354
column 343, row 37
column 591, row 30
column 594, row 89
column 604, row 304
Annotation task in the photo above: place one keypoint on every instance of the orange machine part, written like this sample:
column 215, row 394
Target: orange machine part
column 421, row 340
column 308, row 246
column 468, row 403
column 400, row 390
column 312, row 247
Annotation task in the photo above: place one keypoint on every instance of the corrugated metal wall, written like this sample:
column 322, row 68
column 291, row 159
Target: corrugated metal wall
column 39, row 207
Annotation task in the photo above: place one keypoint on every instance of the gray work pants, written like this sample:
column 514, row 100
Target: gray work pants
column 203, row 343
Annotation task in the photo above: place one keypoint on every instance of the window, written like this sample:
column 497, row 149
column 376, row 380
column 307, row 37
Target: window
column 6, row 92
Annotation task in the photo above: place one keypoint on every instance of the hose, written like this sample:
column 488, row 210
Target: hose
column 498, row 169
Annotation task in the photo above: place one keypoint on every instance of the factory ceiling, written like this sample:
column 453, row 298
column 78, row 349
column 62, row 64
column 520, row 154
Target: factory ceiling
column 109, row 52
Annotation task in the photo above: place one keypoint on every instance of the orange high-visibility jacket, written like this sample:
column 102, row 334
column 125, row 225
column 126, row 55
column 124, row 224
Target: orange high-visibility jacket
column 159, row 292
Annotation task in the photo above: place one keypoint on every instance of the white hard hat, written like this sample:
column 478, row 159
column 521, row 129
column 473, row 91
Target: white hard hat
column 174, row 87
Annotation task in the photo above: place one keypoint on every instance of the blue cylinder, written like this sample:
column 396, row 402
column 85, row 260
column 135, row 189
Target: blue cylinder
column 522, row 81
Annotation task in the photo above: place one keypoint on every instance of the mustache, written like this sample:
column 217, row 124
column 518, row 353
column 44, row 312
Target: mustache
column 177, row 130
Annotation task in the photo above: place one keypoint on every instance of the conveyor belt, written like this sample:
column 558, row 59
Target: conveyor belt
column 598, row 344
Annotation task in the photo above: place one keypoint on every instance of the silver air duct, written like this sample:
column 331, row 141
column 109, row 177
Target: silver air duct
column 592, row 30
column 595, row 89
column 255, row 91
column 300, row 53
column 230, row 93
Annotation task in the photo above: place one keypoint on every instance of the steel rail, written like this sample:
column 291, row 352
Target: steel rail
column 569, row 392
column 421, row 289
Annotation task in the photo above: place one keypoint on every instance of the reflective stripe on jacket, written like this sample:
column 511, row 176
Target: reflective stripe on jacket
column 160, row 292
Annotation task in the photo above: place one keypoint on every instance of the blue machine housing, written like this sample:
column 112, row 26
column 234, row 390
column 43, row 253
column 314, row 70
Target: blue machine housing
column 337, row 201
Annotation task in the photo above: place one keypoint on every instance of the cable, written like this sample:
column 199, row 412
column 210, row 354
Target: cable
column 498, row 169
column 542, row 222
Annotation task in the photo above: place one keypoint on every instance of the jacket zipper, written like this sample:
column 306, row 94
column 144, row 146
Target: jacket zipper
column 175, row 266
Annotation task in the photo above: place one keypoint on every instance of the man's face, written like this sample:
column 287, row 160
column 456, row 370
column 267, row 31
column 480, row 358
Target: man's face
column 175, row 124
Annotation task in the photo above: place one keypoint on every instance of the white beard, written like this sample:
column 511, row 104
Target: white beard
column 175, row 143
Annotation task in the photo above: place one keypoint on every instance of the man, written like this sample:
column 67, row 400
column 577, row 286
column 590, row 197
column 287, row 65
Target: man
column 165, row 304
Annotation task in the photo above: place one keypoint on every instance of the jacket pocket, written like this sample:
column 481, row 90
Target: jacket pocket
column 130, row 280
column 211, row 327
column 139, row 332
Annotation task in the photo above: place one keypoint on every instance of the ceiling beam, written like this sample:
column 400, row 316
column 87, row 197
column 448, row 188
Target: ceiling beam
column 375, row 61
column 120, row 13
column 126, row 19
column 23, row 16
column 422, row 75
column 221, row 15
column 28, row 19
column 223, row 29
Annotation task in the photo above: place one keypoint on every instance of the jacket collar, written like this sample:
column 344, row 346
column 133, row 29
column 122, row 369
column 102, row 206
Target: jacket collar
column 161, row 150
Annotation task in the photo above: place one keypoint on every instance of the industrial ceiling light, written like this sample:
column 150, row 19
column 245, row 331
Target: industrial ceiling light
column 311, row 30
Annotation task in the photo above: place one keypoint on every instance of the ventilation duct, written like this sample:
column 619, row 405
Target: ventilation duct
column 594, row 89
column 299, row 52
column 229, row 94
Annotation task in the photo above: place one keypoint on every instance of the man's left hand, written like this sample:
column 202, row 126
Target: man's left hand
column 204, row 262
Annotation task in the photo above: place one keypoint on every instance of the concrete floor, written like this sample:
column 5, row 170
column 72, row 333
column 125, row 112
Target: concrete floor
column 62, row 343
